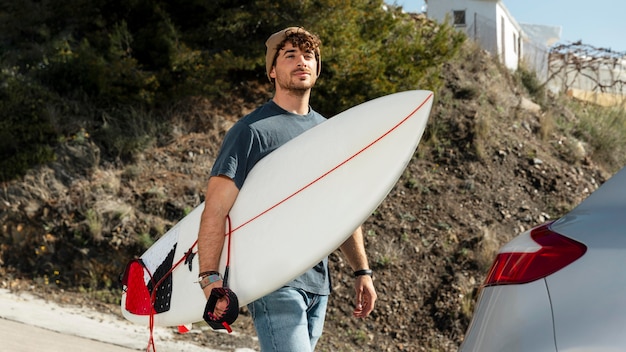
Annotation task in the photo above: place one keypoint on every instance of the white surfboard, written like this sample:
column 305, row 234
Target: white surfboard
column 298, row 205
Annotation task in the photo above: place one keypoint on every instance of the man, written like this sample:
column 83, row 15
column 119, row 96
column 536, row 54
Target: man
column 291, row 318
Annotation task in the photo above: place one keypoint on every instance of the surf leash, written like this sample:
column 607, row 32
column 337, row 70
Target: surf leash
column 222, row 307
column 131, row 276
column 223, row 297
column 151, row 345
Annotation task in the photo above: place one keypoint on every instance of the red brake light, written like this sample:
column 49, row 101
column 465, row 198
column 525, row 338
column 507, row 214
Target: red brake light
column 556, row 252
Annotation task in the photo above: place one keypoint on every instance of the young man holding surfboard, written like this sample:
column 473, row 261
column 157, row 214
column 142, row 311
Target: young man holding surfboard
column 292, row 317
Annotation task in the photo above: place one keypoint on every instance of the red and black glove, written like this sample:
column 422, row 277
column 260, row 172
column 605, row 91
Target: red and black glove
column 222, row 308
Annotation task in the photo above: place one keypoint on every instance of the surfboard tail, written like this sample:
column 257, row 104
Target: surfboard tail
column 137, row 299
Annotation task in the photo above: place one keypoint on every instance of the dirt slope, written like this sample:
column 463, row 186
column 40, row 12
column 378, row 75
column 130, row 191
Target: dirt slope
column 491, row 165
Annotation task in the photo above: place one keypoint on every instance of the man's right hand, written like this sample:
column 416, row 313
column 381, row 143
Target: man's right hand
column 207, row 290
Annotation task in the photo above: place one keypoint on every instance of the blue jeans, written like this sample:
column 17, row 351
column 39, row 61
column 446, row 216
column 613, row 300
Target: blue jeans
column 289, row 319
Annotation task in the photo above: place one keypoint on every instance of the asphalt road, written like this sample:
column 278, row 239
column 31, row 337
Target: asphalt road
column 20, row 337
column 30, row 324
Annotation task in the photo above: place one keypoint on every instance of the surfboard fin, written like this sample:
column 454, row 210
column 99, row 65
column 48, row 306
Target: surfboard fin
column 183, row 329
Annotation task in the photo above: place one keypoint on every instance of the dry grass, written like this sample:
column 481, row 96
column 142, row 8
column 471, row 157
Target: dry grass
column 600, row 132
column 487, row 249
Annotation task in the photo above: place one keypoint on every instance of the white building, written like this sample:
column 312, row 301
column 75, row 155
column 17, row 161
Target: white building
column 486, row 21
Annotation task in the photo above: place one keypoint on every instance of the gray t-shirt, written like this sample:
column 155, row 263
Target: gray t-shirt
column 252, row 138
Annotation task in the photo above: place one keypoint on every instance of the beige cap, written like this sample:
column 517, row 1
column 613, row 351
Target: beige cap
column 276, row 38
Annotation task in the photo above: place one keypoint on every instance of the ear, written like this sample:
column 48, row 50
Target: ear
column 273, row 72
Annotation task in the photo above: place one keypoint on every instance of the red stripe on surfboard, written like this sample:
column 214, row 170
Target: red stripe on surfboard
column 336, row 167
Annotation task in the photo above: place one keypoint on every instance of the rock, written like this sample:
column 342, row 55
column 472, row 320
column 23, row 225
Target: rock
column 528, row 105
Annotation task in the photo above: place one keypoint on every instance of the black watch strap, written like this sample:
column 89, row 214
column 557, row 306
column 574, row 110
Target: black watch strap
column 363, row 272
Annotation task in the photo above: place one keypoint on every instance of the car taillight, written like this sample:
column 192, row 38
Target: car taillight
column 555, row 253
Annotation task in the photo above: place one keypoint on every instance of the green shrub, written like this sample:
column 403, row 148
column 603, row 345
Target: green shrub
column 108, row 68
column 603, row 129
column 371, row 52
column 27, row 136
column 532, row 84
column 127, row 130
column 79, row 70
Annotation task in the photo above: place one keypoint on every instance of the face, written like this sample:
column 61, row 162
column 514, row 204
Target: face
column 295, row 70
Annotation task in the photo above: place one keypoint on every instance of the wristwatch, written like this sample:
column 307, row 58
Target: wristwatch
column 207, row 278
column 363, row 272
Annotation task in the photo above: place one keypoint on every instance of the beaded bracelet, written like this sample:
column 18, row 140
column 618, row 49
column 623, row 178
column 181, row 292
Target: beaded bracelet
column 207, row 273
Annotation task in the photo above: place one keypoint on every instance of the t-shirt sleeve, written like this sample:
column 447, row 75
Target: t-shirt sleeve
column 232, row 159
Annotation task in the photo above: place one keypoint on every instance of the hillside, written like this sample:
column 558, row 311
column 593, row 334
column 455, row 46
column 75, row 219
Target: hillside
column 492, row 163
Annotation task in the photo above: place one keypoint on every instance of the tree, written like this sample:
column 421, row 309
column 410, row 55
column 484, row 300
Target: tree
column 99, row 55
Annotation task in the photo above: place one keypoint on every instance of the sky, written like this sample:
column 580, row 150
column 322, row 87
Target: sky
column 599, row 23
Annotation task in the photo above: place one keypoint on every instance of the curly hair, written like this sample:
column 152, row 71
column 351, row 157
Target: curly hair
column 299, row 38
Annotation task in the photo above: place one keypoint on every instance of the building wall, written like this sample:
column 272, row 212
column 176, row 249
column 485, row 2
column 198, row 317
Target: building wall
column 509, row 33
column 489, row 23
column 486, row 21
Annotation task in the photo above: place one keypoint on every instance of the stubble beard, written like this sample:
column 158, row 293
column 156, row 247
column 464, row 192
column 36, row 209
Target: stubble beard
column 298, row 88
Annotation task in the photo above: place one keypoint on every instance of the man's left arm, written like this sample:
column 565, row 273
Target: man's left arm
column 354, row 250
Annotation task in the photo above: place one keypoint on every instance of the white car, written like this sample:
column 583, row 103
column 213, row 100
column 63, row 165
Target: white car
column 560, row 286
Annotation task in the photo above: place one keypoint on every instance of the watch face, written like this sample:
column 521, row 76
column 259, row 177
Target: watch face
column 207, row 280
